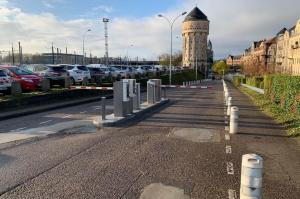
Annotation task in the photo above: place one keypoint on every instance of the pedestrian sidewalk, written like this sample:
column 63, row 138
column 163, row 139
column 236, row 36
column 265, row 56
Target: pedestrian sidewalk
column 260, row 134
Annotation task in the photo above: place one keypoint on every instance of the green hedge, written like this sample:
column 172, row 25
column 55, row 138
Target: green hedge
column 237, row 80
column 251, row 81
column 179, row 78
column 284, row 90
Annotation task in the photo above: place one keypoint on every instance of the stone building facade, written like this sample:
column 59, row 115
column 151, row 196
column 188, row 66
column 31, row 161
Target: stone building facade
column 288, row 50
column 280, row 54
column 197, row 51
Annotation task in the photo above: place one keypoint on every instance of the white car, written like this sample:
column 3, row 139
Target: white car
column 5, row 81
column 140, row 70
column 78, row 73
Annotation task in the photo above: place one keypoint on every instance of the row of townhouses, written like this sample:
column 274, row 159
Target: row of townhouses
column 280, row 54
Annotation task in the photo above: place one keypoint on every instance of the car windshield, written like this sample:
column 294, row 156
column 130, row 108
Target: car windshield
column 2, row 73
column 82, row 68
column 20, row 71
column 57, row 68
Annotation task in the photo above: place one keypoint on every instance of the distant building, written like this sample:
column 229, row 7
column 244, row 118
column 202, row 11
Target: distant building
column 197, row 51
column 288, row 50
column 234, row 60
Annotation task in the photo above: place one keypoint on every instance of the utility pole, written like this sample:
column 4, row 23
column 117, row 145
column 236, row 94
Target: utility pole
column 57, row 55
column 53, row 61
column 105, row 21
column 13, row 55
column 20, row 54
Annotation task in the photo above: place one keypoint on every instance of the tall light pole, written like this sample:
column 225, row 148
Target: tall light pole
column 171, row 23
column 83, row 52
column 127, row 54
column 105, row 21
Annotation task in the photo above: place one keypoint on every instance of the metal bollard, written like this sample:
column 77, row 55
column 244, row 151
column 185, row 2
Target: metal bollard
column 103, row 108
column 251, row 177
column 234, row 120
column 228, row 106
column 165, row 93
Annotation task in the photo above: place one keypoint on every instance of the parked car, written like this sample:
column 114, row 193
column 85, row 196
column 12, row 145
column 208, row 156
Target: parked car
column 103, row 68
column 97, row 75
column 78, row 73
column 5, row 81
column 56, row 74
column 29, row 80
column 140, row 70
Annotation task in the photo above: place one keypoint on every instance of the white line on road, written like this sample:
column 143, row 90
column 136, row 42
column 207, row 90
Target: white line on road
column 232, row 194
column 83, row 112
column 46, row 122
column 227, row 136
column 67, row 116
column 19, row 129
column 230, row 170
column 228, row 149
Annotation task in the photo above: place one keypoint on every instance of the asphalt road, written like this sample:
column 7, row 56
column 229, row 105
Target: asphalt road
column 48, row 118
column 182, row 145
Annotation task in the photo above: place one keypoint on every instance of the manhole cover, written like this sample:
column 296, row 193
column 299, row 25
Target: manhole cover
column 197, row 134
column 161, row 191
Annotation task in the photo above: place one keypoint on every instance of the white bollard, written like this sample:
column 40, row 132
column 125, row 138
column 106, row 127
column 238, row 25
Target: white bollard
column 234, row 120
column 229, row 106
column 251, row 177
column 228, row 99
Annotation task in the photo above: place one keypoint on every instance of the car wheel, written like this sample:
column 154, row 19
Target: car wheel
column 73, row 81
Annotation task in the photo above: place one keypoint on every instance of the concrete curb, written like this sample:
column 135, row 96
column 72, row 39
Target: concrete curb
column 14, row 114
column 98, row 123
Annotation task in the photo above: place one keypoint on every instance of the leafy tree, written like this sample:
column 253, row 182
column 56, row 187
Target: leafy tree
column 220, row 68
column 164, row 59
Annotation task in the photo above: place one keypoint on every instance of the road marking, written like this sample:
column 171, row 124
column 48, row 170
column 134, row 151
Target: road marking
column 230, row 170
column 228, row 149
column 232, row 194
column 82, row 112
column 67, row 116
column 227, row 136
column 46, row 122
column 226, row 128
column 19, row 129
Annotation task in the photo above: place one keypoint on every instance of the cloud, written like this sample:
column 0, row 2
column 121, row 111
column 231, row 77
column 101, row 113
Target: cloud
column 47, row 4
column 107, row 9
column 233, row 26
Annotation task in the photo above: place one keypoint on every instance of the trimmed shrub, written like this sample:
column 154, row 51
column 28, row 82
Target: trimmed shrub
column 284, row 90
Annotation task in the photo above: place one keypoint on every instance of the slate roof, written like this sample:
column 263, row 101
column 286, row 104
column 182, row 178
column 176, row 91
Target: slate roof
column 196, row 15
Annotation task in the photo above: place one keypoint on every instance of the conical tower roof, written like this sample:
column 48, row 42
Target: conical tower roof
column 196, row 15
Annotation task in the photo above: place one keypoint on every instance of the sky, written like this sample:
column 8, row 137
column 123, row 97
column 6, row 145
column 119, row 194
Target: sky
column 134, row 27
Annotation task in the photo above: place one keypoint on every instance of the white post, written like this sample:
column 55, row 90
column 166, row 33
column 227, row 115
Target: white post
column 234, row 117
column 251, row 177
column 228, row 106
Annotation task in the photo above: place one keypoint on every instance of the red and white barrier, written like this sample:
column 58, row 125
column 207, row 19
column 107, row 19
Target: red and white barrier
column 91, row 88
column 192, row 87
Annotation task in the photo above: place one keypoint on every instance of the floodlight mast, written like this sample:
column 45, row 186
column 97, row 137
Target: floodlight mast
column 105, row 21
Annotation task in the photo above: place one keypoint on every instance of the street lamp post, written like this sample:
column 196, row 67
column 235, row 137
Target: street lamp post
column 83, row 52
column 171, row 23
column 127, row 54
